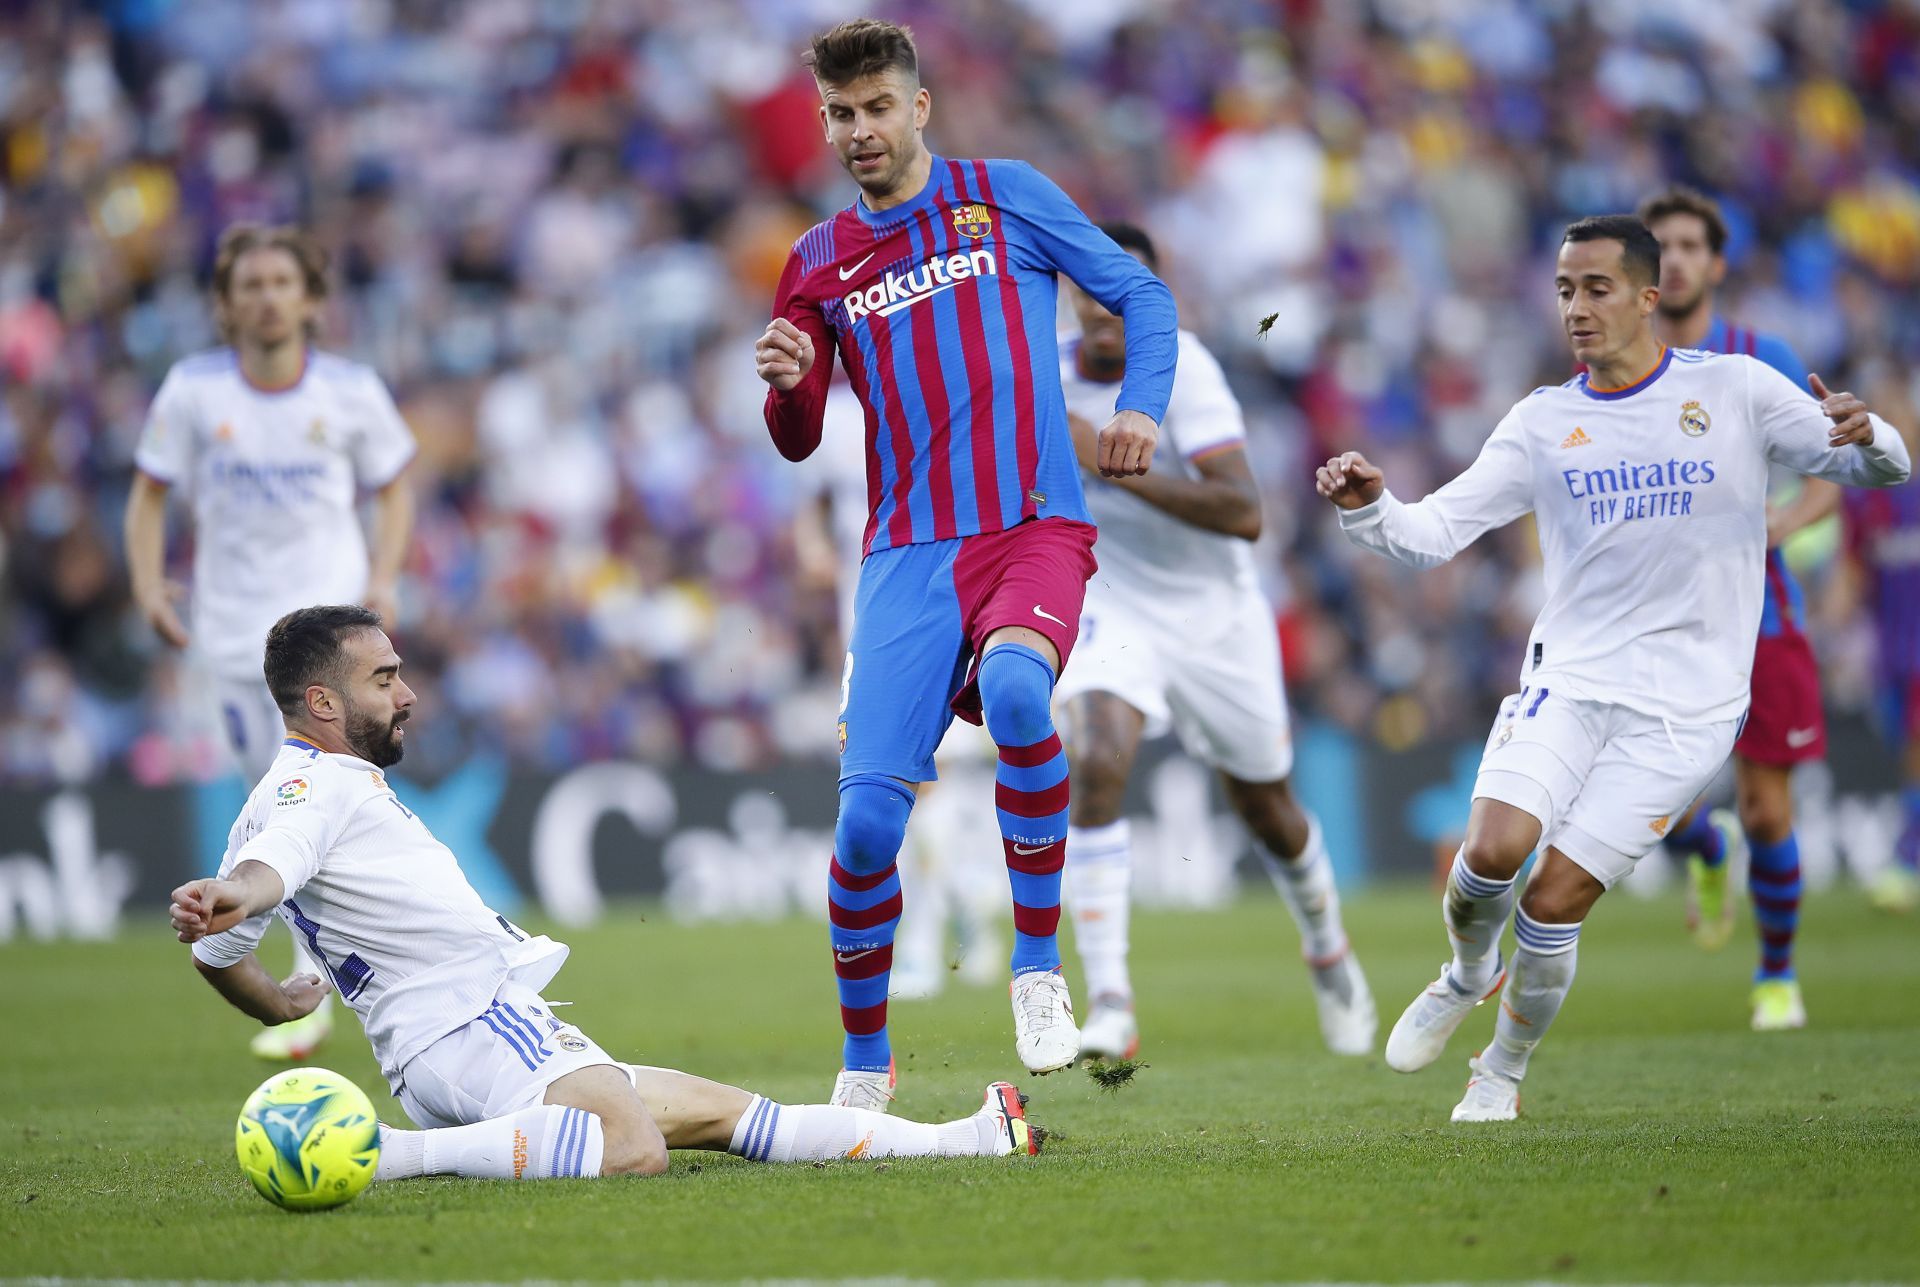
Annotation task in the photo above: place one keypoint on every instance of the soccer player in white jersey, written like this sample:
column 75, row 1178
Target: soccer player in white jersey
column 1176, row 632
column 273, row 441
column 1647, row 477
column 448, row 990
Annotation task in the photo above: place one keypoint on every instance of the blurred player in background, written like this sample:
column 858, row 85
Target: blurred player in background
column 273, row 441
column 1785, row 723
column 938, row 287
column 448, row 989
column 1647, row 475
column 1176, row 632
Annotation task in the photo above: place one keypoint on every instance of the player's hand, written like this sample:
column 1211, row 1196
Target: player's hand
column 783, row 354
column 304, row 993
column 1349, row 481
column 1126, row 445
column 1851, row 424
column 203, row 907
column 383, row 597
column 157, row 610
column 1086, row 442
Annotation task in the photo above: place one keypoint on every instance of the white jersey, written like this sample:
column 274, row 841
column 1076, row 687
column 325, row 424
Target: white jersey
column 1146, row 554
column 273, row 477
column 1651, row 502
column 408, row 942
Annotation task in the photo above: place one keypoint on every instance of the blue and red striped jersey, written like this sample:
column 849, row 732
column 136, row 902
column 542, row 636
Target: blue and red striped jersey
column 1783, row 607
column 942, row 310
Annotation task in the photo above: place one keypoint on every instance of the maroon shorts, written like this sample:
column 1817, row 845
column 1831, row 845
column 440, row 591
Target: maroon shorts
column 1785, row 723
column 1034, row 575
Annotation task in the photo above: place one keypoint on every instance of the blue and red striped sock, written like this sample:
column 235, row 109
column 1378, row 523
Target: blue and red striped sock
column 863, row 907
column 1030, row 790
column 1700, row 836
column 1774, row 881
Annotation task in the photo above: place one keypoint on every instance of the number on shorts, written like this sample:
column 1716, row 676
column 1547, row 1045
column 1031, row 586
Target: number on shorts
column 846, row 683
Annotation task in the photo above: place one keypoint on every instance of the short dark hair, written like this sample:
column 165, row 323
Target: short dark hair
column 1133, row 237
column 1640, row 252
column 861, row 48
column 1682, row 200
column 303, row 648
column 240, row 238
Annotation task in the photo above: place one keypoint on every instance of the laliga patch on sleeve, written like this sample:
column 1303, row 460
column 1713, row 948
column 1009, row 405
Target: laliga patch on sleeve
column 292, row 791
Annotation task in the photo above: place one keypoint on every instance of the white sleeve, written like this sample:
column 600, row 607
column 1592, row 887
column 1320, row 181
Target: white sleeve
column 1794, row 433
column 1203, row 415
column 1493, row 491
column 382, row 443
column 166, row 446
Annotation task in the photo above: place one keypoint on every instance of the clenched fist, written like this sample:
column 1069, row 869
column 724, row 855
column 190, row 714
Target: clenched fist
column 1349, row 481
column 783, row 354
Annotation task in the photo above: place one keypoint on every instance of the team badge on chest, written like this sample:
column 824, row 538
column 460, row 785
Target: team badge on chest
column 972, row 220
column 1694, row 420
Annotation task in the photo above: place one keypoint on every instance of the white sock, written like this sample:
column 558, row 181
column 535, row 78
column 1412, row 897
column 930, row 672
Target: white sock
column 1306, row 886
column 770, row 1132
column 1537, row 983
column 545, row 1143
column 1475, row 910
column 1099, row 894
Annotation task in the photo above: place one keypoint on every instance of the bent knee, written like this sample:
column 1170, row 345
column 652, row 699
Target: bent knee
column 1495, row 857
column 1016, row 695
column 1766, row 821
column 1556, row 902
column 872, row 824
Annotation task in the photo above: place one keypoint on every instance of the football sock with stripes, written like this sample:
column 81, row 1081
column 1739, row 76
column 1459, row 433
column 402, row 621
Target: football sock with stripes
column 1537, row 982
column 1700, row 836
column 1305, row 884
column 770, row 1132
column 1475, row 909
column 1030, row 790
column 1099, row 877
column 550, row 1142
column 1773, row 880
column 863, row 909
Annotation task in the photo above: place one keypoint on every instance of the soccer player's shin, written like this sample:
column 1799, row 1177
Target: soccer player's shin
column 863, row 905
column 1099, row 877
column 770, row 1132
column 1030, row 789
column 550, row 1142
column 1537, row 983
column 1476, row 910
column 1305, row 884
column 1773, row 879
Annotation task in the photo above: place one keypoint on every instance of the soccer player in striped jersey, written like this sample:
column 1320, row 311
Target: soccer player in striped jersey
column 1647, row 478
column 1785, row 723
column 1883, row 533
column 938, row 289
column 273, row 441
column 448, row 989
column 1177, row 633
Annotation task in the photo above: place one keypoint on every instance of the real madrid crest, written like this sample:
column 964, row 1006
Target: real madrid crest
column 1694, row 420
column 317, row 433
column 972, row 220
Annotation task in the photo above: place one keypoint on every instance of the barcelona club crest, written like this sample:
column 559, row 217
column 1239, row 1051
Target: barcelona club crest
column 1694, row 420
column 972, row 221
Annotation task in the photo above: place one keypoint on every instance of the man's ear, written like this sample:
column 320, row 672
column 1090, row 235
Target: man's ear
column 321, row 704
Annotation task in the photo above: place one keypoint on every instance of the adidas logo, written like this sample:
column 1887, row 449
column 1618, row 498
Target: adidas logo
column 1578, row 438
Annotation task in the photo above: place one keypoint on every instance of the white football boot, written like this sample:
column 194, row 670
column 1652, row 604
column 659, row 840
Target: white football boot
column 1044, row 1034
column 1348, row 1021
column 1435, row 1015
column 871, row 1090
column 295, row 1042
column 1490, row 1097
column 1110, row 1031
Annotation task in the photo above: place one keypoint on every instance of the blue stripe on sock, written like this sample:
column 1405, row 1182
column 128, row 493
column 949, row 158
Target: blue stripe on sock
column 1542, row 937
column 753, row 1127
column 1052, row 826
column 558, row 1147
column 859, row 900
column 513, row 1040
column 1477, row 886
column 580, row 1144
column 1041, row 777
column 773, row 1129
column 756, row 1147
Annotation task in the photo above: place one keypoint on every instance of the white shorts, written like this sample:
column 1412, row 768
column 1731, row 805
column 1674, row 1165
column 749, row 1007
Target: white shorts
column 251, row 723
column 1605, row 782
column 497, row 1064
column 1210, row 672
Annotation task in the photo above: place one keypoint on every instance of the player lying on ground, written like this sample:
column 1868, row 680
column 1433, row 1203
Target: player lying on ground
column 273, row 440
column 1647, row 475
column 449, row 991
column 937, row 288
column 1177, row 632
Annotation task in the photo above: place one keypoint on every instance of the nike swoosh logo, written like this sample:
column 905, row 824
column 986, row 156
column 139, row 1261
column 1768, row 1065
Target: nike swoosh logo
column 1025, row 852
column 1039, row 611
column 847, row 958
column 1798, row 737
column 846, row 273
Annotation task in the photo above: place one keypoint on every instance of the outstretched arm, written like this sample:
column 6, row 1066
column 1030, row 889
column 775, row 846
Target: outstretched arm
column 1495, row 489
column 1836, row 438
column 249, row 989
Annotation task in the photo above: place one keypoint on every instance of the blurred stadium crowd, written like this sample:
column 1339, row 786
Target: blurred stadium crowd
column 556, row 226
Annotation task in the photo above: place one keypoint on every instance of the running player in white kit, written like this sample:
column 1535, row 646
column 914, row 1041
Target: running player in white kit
column 1647, row 477
column 449, row 990
column 1176, row 632
column 273, row 441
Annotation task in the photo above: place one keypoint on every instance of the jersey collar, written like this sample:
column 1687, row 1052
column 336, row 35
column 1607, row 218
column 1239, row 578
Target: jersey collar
column 1628, row 390
column 906, row 209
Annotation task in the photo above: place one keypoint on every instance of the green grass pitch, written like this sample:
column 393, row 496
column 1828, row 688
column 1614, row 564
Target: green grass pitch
column 1661, row 1142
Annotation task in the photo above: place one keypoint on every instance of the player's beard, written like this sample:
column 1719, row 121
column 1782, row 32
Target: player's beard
column 372, row 738
column 1674, row 306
